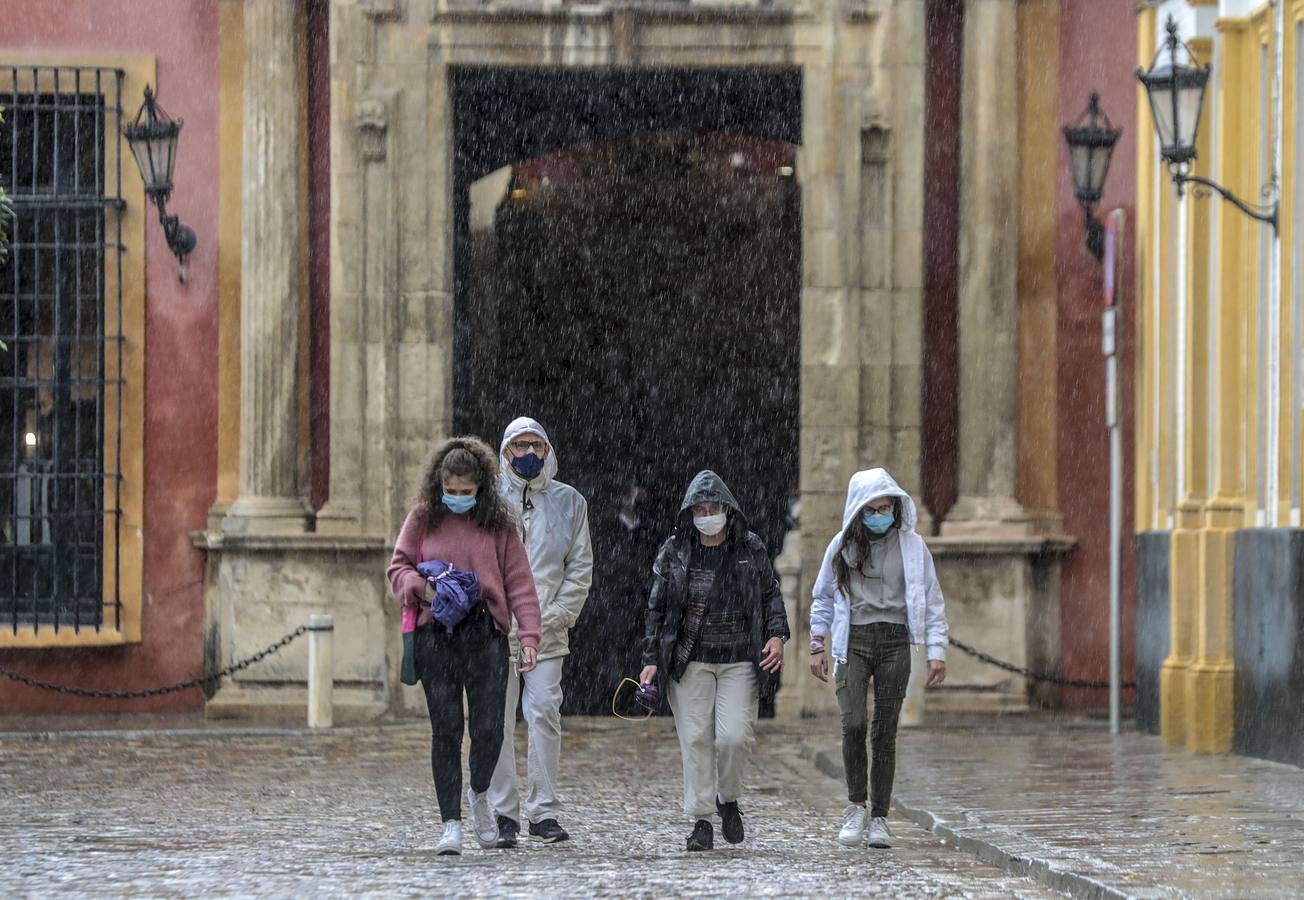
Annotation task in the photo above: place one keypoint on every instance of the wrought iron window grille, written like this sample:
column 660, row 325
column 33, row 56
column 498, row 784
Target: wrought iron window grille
column 61, row 379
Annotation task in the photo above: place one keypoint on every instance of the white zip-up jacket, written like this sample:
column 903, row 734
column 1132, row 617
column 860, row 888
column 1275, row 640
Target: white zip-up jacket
column 554, row 526
column 925, row 609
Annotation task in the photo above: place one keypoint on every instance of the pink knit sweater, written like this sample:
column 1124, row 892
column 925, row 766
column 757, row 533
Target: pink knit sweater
column 497, row 558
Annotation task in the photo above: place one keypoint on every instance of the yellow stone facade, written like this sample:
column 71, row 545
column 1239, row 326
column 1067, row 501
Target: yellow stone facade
column 1218, row 327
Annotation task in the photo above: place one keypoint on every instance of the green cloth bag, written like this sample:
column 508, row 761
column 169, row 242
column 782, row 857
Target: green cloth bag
column 407, row 672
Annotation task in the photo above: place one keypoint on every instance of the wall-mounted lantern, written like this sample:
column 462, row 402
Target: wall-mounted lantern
column 1176, row 91
column 1091, row 144
column 153, row 139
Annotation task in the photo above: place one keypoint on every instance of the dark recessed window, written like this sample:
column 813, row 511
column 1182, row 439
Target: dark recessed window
column 61, row 376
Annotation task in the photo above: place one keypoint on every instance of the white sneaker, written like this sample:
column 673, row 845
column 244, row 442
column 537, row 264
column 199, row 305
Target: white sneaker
column 879, row 836
column 853, row 825
column 483, row 822
column 450, row 842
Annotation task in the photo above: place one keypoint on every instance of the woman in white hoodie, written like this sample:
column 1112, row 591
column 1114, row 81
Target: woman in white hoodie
column 876, row 594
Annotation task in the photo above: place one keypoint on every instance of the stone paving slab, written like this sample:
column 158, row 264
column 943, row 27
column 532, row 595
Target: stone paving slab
column 153, row 812
column 1097, row 815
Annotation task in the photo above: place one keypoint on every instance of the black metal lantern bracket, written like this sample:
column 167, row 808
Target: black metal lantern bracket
column 152, row 136
column 1091, row 144
column 1166, row 82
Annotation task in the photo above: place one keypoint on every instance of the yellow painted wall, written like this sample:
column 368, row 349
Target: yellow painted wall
column 1224, row 374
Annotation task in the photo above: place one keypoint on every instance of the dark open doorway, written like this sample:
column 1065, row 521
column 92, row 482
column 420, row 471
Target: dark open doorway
column 628, row 270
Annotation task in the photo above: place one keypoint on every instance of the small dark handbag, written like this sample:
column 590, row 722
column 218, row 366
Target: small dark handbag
column 407, row 671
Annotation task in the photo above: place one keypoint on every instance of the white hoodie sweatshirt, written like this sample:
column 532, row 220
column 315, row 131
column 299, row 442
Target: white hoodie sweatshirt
column 925, row 609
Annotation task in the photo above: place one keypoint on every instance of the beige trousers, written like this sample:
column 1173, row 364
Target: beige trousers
column 715, row 708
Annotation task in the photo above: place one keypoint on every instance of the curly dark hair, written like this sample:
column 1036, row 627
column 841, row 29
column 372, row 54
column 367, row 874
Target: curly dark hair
column 464, row 457
column 857, row 536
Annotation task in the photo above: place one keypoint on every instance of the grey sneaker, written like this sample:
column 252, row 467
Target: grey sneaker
column 853, row 825
column 450, row 842
column 879, row 836
column 483, row 822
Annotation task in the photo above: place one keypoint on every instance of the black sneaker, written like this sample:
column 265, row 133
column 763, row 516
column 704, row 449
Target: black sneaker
column 508, row 829
column 731, row 821
column 703, row 836
column 548, row 831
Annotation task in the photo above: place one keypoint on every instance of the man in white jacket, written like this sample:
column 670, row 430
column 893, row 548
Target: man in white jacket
column 876, row 593
column 554, row 523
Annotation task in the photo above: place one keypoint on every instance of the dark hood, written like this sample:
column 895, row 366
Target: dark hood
column 707, row 486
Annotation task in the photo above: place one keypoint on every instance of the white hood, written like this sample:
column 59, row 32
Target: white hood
column 515, row 429
column 830, row 612
column 871, row 483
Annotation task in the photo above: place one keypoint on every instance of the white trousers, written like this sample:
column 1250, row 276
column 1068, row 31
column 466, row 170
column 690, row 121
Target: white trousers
column 541, row 707
column 715, row 707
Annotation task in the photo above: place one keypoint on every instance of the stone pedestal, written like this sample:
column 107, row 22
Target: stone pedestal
column 261, row 587
column 1002, row 597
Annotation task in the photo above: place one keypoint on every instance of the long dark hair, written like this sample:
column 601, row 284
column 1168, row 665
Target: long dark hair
column 463, row 457
column 857, row 537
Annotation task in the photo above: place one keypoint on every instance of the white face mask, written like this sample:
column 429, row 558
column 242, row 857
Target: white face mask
column 710, row 525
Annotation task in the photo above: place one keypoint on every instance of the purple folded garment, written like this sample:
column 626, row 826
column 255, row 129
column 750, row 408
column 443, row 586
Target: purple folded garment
column 456, row 592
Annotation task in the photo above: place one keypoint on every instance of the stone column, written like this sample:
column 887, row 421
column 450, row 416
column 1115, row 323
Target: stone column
column 1039, row 147
column 269, row 499
column 989, row 260
column 830, row 315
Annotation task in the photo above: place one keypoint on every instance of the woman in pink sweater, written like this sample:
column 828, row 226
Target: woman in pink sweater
column 460, row 518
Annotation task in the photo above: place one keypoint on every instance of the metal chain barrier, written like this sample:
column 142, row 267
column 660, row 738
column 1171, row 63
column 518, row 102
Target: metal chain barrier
column 303, row 629
column 160, row 691
column 1028, row 673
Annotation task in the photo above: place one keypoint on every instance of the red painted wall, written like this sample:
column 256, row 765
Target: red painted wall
column 1097, row 52
column 180, row 361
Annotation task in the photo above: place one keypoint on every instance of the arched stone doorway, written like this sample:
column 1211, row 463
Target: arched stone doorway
column 635, row 285
column 641, row 298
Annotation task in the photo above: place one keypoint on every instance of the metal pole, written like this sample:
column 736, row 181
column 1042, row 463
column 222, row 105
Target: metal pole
column 321, row 671
column 1115, row 542
column 1110, row 325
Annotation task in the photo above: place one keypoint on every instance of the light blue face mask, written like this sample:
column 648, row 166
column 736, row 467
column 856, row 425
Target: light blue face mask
column 458, row 504
column 878, row 523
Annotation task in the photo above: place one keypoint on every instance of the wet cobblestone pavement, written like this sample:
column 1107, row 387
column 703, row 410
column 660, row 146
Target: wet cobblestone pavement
column 1101, row 816
column 352, row 813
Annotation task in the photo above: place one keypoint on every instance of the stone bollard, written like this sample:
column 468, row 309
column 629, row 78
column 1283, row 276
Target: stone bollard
column 321, row 670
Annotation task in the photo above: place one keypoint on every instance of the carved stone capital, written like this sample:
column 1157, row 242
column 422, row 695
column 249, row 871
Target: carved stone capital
column 371, row 119
column 382, row 10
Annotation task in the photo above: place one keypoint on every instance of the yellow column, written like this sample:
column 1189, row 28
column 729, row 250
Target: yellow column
column 229, row 212
column 1209, row 678
column 1192, row 373
column 1155, row 218
column 1288, row 499
column 1173, row 700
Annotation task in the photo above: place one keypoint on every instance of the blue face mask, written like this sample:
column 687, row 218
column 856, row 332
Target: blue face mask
column 527, row 466
column 459, row 505
column 878, row 523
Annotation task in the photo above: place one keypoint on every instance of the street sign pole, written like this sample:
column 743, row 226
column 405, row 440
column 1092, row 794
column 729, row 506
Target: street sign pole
column 1111, row 330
